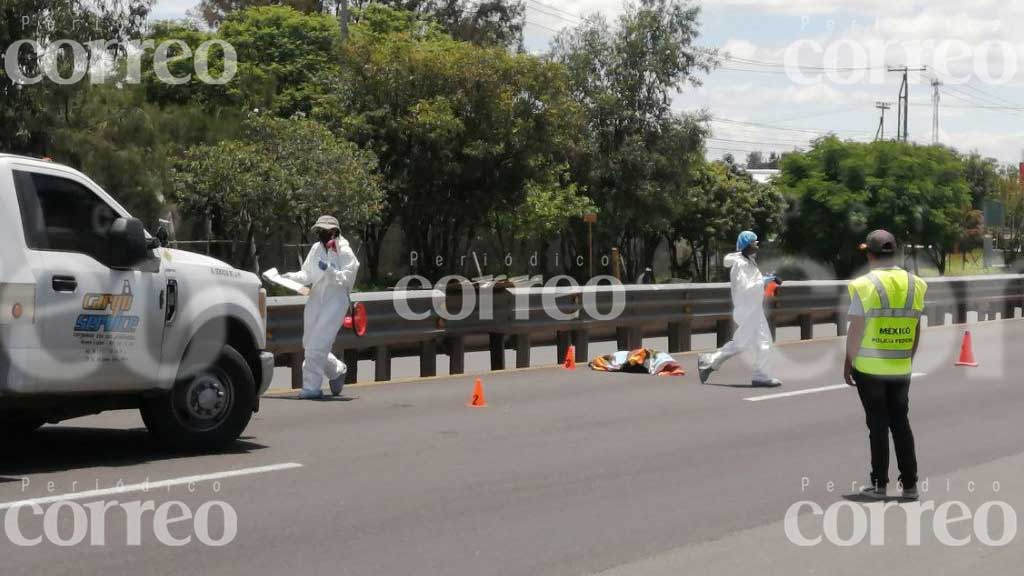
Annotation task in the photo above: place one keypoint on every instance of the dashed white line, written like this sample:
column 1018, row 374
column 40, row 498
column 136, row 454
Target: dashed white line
column 810, row 391
column 147, row 486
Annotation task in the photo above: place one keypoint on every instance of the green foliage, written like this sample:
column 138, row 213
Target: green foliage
column 28, row 113
column 281, row 172
column 550, row 206
column 284, row 60
column 634, row 157
column 840, row 191
column 215, row 12
column 982, row 176
column 460, row 130
column 719, row 205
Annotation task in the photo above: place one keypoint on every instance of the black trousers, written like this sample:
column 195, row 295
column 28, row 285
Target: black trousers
column 886, row 404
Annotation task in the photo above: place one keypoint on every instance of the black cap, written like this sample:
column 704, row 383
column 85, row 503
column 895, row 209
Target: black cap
column 880, row 242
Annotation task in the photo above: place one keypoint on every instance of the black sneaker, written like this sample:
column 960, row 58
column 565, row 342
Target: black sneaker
column 911, row 493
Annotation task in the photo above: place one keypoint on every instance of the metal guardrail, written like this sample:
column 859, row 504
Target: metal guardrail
column 515, row 318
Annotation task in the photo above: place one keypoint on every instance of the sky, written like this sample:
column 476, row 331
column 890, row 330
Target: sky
column 793, row 70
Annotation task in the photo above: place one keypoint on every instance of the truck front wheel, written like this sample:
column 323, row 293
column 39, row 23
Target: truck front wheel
column 209, row 406
column 19, row 428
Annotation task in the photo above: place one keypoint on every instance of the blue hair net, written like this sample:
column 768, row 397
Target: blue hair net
column 746, row 239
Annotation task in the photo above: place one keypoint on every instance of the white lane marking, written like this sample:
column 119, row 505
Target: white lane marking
column 146, row 486
column 810, row 391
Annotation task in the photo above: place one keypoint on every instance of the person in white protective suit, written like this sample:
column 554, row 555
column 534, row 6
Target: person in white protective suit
column 330, row 272
column 753, row 333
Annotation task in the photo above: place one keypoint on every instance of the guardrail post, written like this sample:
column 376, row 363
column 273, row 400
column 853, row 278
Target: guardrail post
column 961, row 313
column 523, row 350
column 428, row 358
column 806, row 327
column 351, row 356
column 581, row 340
column 842, row 322
column 456, row 354
column 723, row 331
column 562, row 340
column 680, row 337
column 295, row 363
column 381, row 363
column 497, row 347
column 629, row 338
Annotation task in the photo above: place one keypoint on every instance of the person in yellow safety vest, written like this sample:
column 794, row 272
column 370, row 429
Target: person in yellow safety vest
column 885, row 311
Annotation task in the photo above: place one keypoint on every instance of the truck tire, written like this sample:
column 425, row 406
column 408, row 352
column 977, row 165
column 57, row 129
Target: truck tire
column 208, row 407
column 19, row 428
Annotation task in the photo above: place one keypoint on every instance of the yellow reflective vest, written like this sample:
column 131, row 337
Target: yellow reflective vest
column 893, row 301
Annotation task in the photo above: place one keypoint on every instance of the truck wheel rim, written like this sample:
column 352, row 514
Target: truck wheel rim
column 205, row 401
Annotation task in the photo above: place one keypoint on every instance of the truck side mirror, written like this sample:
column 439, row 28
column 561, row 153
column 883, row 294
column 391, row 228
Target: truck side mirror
column 162, row 235
column 127, row 239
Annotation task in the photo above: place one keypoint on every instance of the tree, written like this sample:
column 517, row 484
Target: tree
column 215, row 12
column 29, row 112
column 1011, row 194
column 483, row 22
column 982, row 176
column 286, row 61
column 277, row 178
column 838, row 191
column 718, row 206
column 758, row 161
column 635, row 155
column 550, row 206
column 460, row 130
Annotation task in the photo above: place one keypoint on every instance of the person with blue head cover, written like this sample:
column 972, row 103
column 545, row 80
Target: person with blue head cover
column 753, row 333
column 746, row 238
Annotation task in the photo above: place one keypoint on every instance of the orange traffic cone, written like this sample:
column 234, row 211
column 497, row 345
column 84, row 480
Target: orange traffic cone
column 477, row 401
column 570, row 359
column 967, row 351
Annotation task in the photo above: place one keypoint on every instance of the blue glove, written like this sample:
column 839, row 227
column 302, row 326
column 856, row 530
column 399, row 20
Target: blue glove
column 323, row 265
column 769, row 278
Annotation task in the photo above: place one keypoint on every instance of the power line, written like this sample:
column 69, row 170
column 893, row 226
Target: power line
column 553, row 15
column 779, row 72
column 787, row 128
column 753, row 62
column 542, row 26
column 975, row 105
column 991, row 96
column 556, row 9
column 757, row 143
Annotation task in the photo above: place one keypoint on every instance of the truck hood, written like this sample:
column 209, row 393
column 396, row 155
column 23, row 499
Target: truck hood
column 182, row 259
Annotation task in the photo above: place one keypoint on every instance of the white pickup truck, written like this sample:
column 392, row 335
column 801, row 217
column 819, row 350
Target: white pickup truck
column 97, row 315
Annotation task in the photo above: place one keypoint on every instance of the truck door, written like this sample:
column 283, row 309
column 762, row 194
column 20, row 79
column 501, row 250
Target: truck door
column 101, row 329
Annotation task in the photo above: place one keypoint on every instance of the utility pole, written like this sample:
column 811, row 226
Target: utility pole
column 903, row 122
column 880, row 133
column 935, row 110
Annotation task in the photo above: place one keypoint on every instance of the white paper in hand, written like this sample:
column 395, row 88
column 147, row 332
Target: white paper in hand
column 273, row 276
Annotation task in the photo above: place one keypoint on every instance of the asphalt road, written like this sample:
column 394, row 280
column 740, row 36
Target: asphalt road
column 565, row 472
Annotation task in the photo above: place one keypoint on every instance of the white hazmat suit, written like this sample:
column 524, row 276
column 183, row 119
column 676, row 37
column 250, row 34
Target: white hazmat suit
column 752, row 333
column 330, row 274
